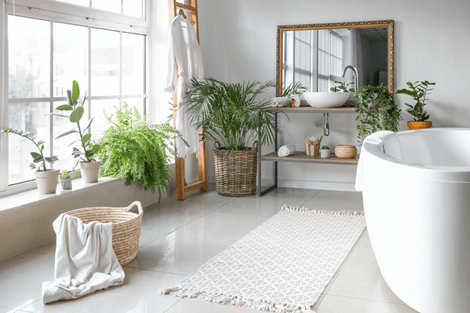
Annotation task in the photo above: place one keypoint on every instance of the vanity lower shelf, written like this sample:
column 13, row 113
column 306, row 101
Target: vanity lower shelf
column 314, row 110
column 301, row 156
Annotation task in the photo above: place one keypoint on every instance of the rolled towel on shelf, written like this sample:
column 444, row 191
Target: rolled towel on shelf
column 286, row 150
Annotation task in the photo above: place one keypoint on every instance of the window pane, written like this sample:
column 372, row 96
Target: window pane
column 100, row 123
column 29, row 117
column 28, row 57
column 133, row 7
column 107, row 5
column 104, row 63
column 70, row 58
column 136, row 103
column 85, row 3
column 61, row 146
column 133, row 64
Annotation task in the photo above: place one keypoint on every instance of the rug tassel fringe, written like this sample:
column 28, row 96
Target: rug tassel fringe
column 261, row 305
column 303, row 209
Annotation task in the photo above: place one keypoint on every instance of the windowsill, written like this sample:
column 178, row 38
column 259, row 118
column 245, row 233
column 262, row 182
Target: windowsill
column 31, row 196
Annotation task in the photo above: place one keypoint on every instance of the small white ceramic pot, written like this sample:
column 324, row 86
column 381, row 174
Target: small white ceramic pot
column 47, row 181
column 90, row 171
column 66, row 183
column 325, row 153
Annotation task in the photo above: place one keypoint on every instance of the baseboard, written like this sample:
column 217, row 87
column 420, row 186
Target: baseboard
column 304, row 184
column 310, row 184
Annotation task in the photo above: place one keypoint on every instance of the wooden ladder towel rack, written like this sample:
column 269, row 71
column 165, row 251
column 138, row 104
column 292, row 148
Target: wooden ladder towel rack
column 181, row 188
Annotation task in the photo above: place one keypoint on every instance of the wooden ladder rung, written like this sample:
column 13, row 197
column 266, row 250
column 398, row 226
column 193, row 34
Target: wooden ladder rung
column 185, row 7
column 198, row 184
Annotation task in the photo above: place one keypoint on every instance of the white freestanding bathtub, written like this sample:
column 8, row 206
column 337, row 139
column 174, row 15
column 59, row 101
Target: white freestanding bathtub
column 416, row 191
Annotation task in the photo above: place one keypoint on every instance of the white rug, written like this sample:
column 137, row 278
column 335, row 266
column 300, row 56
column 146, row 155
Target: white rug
column 282, row 266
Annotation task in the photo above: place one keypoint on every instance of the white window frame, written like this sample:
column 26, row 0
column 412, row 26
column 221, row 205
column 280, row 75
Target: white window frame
column 56, row 11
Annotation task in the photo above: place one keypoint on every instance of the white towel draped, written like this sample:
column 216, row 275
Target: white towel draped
column 84, row 260
column 286, row 150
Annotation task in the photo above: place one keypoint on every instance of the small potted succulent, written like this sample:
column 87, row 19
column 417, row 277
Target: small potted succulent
column 65, row 180
column 325, row 152
column 90, row 168
column 418, row 91
column 46, row 179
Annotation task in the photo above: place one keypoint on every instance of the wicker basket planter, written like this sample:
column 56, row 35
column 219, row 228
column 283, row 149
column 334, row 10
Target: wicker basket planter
column 126, row 227
column 235, row 175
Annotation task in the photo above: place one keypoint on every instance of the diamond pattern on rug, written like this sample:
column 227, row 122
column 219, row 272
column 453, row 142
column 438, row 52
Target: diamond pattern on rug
column 282, row 266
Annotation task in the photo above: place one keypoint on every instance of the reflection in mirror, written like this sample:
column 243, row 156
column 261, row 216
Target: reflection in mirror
column 318, row 57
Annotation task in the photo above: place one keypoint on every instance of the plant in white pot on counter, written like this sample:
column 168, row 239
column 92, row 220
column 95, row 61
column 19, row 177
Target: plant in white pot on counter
column 325, row 152
column 46, row 179
column 89, row 166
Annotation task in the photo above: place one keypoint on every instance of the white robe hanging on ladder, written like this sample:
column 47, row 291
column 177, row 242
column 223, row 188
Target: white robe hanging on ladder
column 184, row 47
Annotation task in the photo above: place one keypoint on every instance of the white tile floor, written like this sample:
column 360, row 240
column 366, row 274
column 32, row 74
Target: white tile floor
column 178, row 237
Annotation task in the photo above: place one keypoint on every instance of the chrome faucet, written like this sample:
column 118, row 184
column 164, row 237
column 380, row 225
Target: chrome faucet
column 356, row 80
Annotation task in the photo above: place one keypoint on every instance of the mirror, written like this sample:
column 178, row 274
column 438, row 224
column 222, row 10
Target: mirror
column 317, row 54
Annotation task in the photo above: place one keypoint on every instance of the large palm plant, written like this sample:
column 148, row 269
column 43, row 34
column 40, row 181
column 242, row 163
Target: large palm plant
column 231, row 113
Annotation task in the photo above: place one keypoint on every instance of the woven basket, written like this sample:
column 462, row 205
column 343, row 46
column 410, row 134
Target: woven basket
column 235, row 174
column 126, row 227
column 345, row 151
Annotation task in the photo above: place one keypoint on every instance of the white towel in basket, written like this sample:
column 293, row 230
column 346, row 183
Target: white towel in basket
column 84, row 260
column 286, row 150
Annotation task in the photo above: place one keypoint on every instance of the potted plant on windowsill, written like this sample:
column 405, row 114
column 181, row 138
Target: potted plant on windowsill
column 65, row 180
column 418, row 91
column 377, row 111
column 89, row 166
column 46, row 179
column 231, row 115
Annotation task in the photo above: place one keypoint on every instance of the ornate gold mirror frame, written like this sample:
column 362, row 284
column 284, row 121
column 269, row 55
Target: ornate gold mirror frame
column 283, row 28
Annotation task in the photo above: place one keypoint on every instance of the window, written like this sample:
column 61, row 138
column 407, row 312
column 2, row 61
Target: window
column 330, row 58
column 127, row 7
column 45, row 54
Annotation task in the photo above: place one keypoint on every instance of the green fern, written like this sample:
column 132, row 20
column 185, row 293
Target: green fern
column 136, row 151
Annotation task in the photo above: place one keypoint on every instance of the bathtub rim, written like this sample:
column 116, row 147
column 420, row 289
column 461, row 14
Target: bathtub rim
column 451, row 174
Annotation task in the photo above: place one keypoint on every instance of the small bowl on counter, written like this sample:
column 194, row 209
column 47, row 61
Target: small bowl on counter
column 345, row 151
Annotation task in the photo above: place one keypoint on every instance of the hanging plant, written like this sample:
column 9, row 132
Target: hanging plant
column 377, row 111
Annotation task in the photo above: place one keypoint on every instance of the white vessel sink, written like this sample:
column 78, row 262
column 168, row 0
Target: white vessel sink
column 326, row 99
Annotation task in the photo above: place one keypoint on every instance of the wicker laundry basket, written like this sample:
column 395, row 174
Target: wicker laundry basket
column 126, row 227
column 235, row 174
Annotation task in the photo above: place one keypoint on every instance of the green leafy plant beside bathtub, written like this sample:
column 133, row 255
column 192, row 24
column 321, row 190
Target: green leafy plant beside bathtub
column 419, row 91
column 136, row 151
column 377, row 111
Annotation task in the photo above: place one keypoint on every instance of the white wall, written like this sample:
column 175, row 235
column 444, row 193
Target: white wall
column 432, row 41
